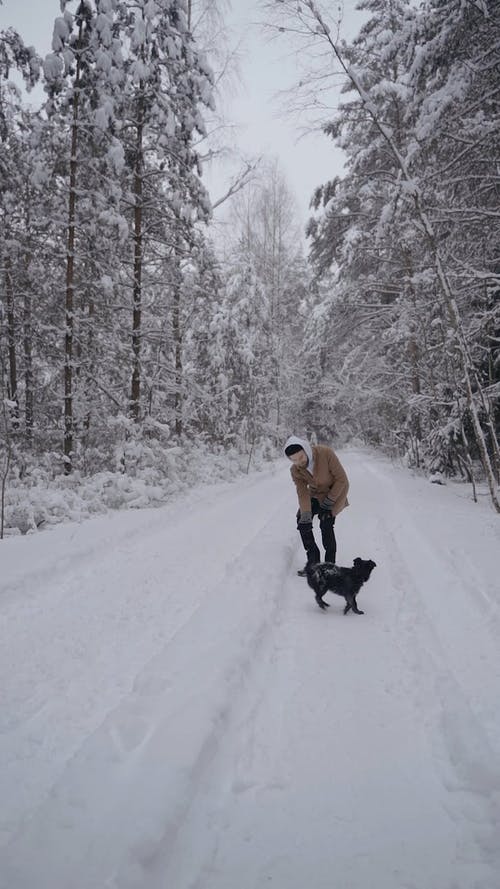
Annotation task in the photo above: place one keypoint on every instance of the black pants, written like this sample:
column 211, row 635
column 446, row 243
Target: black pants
column 326, row 523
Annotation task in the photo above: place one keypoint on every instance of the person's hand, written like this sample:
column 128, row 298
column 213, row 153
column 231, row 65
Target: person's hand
column 326, row 504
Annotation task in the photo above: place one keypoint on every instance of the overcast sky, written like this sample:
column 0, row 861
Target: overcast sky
column 266, row 67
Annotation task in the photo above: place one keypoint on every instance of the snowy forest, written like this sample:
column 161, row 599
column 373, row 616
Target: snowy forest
column 133, row 339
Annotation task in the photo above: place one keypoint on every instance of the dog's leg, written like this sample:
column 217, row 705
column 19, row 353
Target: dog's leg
column 321, row 603
column 320, row 591
column 351, row 603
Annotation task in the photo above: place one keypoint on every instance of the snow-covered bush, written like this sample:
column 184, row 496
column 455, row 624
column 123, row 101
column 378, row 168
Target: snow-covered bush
column 155, row 473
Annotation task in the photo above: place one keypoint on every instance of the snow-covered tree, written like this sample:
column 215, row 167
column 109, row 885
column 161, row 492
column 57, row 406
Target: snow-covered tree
column 164, row 86
column 14, row 124
column 78, row 78
column 393, row 222
column 268, row 251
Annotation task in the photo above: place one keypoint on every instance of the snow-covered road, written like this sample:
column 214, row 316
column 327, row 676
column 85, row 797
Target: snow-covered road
column 178, row 714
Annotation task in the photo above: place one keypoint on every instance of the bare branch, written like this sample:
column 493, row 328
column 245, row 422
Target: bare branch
column 239, row 182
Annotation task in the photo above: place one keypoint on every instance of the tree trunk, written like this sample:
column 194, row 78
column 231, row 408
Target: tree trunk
column 70, row 276
column 135, row 398
column 4, row 415
column 28, row 367
column 11, row 344
column 177, row 336
column 28, row 335
column 468, row 460
column 88, row 381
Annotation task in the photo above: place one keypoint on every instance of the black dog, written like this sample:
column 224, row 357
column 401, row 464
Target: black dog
column 345, row 582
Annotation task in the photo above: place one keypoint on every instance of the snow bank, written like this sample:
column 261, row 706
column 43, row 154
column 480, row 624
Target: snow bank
column 40, row 500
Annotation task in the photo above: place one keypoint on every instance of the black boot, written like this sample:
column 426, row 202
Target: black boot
column 326, row 523
column 305, row 530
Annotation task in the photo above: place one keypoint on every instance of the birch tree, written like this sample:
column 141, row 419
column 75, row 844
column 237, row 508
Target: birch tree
column 268, row 246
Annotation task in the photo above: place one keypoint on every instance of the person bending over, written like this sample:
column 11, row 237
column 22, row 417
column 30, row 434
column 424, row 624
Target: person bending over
column 322, row 487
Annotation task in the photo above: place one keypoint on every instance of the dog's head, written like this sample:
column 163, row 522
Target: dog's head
column 312, row 571
column 364, row 567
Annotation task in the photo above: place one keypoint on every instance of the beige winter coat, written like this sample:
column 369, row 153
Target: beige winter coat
column 327, row 480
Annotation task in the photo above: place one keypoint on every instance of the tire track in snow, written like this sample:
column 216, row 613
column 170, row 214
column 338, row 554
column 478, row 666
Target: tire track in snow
column 466, row 747
column 252, row 774
column 104, row 620
column 172, row 707
column 228, row 762
column 230, row 772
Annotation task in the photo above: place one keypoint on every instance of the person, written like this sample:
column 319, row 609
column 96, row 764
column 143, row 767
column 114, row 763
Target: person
column 322, row 487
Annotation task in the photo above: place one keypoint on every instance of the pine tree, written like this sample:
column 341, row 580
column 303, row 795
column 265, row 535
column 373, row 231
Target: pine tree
column 14, row 126
column 74, row 84
column 164, row 84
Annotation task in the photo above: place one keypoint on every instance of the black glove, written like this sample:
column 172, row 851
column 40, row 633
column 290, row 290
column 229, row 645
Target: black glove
column 326, row 504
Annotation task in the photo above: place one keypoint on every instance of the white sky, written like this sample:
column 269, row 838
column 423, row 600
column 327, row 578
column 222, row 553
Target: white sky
column 266, row 67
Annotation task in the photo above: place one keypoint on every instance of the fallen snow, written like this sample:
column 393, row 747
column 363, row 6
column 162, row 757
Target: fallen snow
column 177, row 712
